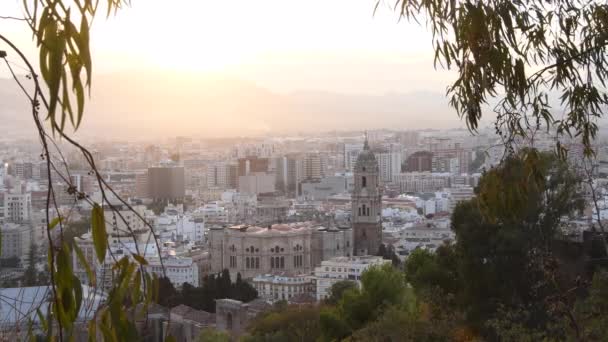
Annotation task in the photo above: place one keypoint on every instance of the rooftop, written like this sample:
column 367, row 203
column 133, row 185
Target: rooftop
column 278, row 228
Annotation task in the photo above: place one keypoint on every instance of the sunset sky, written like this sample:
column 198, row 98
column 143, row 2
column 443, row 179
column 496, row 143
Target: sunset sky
column 283, row 45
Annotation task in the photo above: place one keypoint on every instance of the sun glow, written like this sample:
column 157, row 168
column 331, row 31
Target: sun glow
column 207, row 35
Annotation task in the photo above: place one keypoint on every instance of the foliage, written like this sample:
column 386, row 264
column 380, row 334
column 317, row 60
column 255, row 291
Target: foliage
column 501, row 274
column 399, row 325
column 203, row 298
column 213, row 335
column 522, row 52
column 381, row 287
column 62, row 34
column 168, row 296
column 425, row 270
column 30, row 277
column 337, row 290
column 290, row 323
column 75, row 229
column 388, row 253
column 593, row 311
column 477, row 162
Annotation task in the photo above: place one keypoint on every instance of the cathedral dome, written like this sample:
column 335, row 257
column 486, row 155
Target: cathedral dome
column 366, row 161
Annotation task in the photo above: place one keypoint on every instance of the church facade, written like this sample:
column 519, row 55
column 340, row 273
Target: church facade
column 366, row 204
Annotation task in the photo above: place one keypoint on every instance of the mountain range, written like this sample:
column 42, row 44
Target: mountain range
column 144, row 105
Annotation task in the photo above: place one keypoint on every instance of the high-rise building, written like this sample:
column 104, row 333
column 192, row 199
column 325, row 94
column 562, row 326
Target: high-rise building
column 17, row 207
column 252, row 164
column 22, row 170
column 313, row 166
column 141, row 185
column 351, row 151
column 222, row 176
column 367, row 204
column 257, row 183
column 166, row 183
column 421, row 161
column 389, row 163
column 409, row 138
column 288, row 174
column 16, row 240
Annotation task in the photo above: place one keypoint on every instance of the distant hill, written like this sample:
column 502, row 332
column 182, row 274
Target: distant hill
column 148, row 104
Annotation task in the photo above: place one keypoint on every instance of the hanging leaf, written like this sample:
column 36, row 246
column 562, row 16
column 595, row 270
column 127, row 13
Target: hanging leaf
column 100, row 236
column 85, row 264
column 140, row 259
column 55, row 222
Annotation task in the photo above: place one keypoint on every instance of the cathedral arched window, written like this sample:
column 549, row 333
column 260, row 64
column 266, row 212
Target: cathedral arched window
column 363, row 210
column 257, row 262
column 271, row 262
column 367, row 212
column 247, row 262
column 363, row 182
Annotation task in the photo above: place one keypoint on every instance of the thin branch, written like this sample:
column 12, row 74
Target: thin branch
column 13, row 18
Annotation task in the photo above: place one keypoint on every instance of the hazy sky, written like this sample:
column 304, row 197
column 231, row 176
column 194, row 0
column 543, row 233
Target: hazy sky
column 284, row 45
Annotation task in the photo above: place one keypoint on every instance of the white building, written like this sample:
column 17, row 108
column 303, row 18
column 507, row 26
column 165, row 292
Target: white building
column 459, row 194
column 276, row 287
column 16, row 240
column 17, row 207
column 389, row 164
column 351, row 152
column 320, row 190
column 342, row 268
column 191, row 228
column 124, row 225
column 214, row 212
column 179, row 270
column 422, row 181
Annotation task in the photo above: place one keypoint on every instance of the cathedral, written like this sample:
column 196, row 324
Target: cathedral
column 367, row 204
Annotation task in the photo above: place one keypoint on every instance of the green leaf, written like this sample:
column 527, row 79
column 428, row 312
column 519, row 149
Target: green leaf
column 85, row 264
column 56, row 43
column 55, row 222
column 84, row 49
column 41, row 319
column 100, row 236
column 77, row 295
column 140, row 259
column 92, row 331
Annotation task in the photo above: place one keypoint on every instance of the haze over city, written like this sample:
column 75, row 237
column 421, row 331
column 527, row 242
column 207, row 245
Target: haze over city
column 301, row 170
column 275, row 66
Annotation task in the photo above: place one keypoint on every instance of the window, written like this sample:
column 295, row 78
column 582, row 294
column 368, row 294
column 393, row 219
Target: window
column 367, row 211
column 359, row 211
column 271, row 262
column 257, row 262
column 363, row 181
column 363, row 209
column 247, row 262
column 282, row 262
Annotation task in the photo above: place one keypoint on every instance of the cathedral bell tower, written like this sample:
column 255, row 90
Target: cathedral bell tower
column 367, row 204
